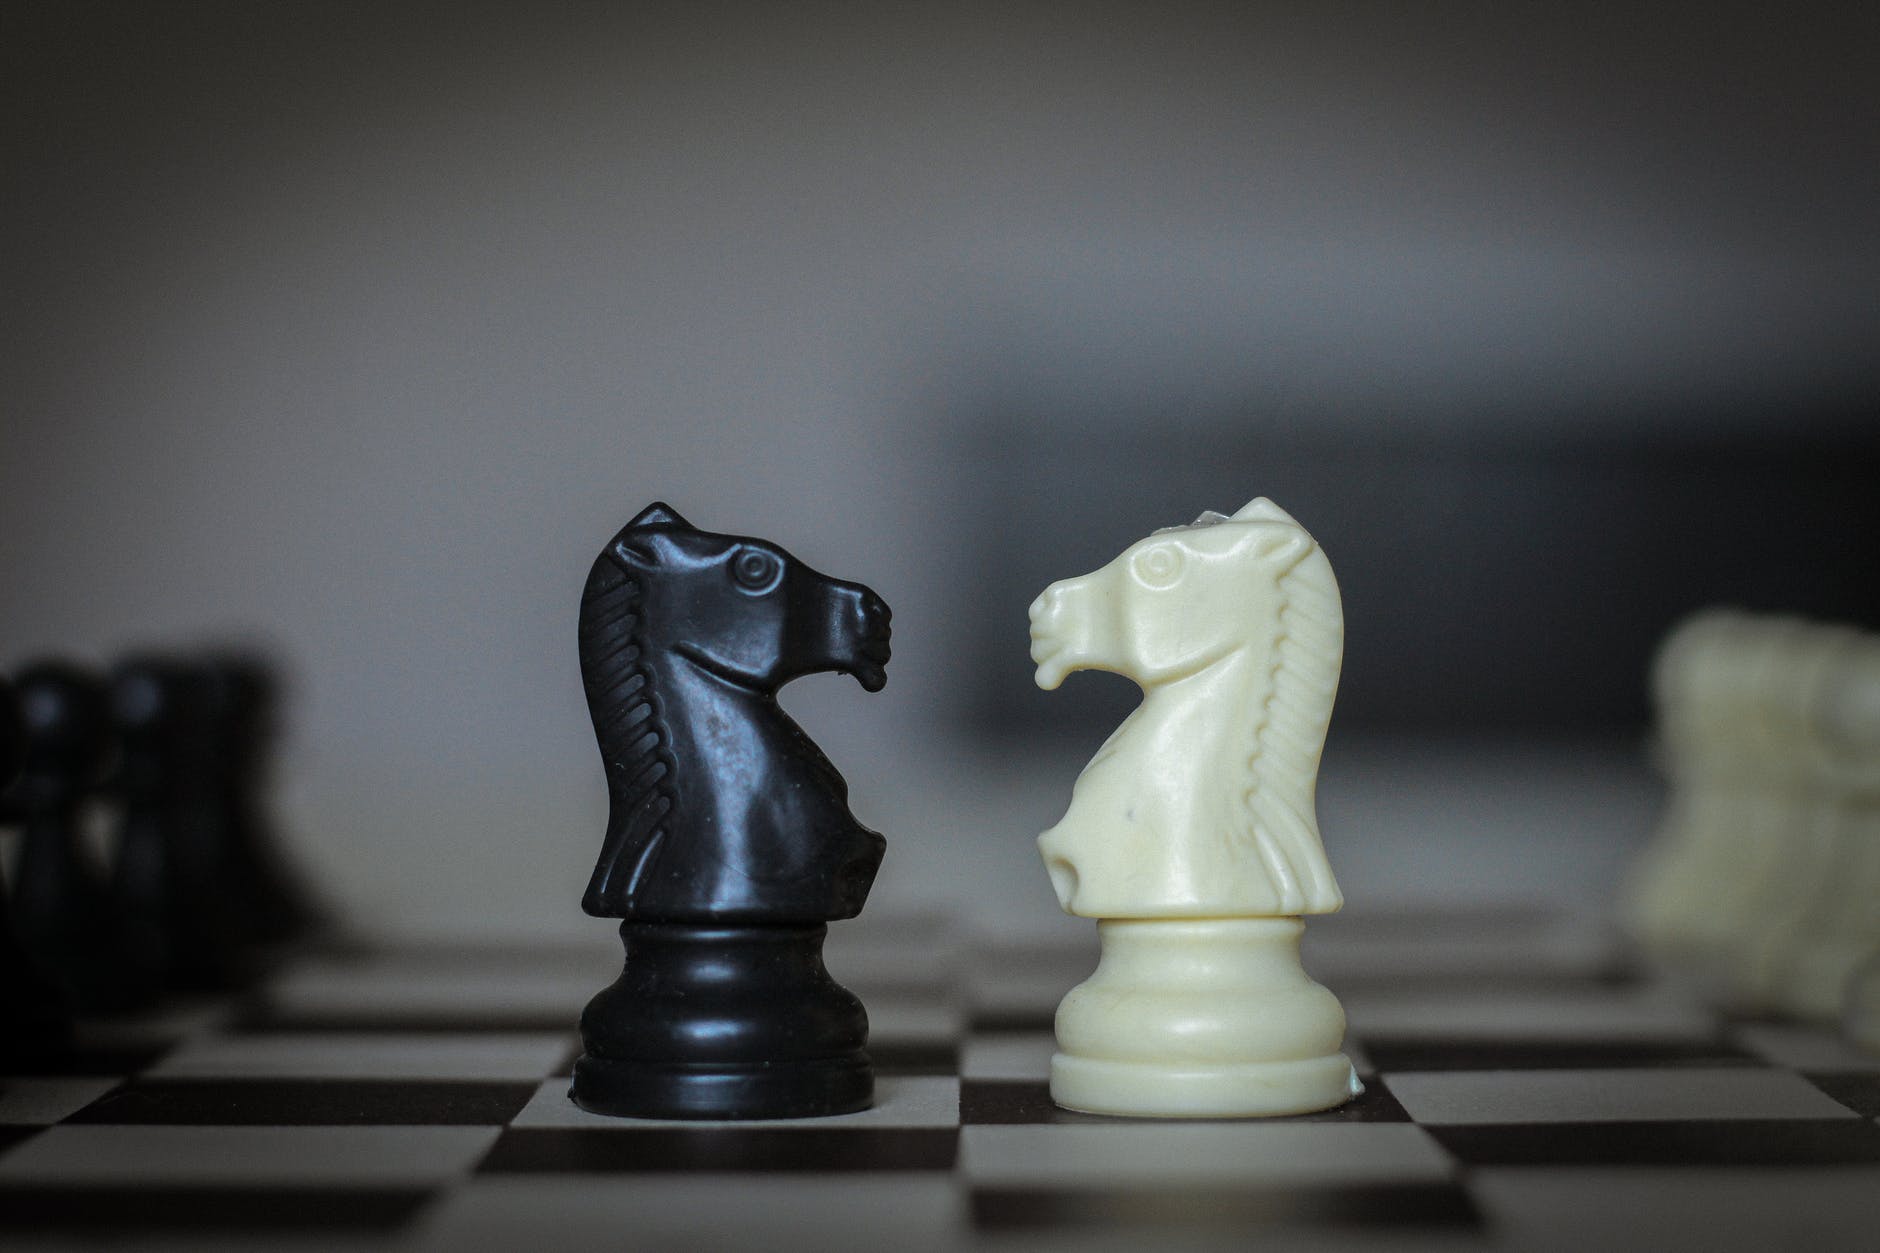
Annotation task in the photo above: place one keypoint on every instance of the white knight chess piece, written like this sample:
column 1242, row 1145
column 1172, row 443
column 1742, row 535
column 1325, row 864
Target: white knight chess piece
column 1192, row 835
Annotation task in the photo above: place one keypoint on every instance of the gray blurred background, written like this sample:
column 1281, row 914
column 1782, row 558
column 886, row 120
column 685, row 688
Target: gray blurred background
column 357, row 329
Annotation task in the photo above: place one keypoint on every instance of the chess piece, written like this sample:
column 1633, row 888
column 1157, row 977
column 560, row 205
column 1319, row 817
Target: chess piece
column 1688, row 735
column 1728, row 747
column 1815, row 781
column 172, row 884
column 729, row 842
column 61, row 906
column 35, row 1022
column 243, row 698
column 1192, row 835
column 1758, row 887
column 1771, row 848
column 1813, row 960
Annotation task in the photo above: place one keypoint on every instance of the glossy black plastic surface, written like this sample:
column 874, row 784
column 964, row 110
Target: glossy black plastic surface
column 724, row 1022
column 172, row 884
column 33, row 1016
column 721, row 808
column 729, row 840
column 62, row 908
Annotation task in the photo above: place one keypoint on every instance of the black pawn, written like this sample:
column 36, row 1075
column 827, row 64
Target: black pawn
column 61, row 906
column 729, row 844
column 244, row 711
column 36, row 1027
column 173, row 883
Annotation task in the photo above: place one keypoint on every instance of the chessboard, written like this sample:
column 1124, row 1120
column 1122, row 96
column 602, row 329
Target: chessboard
column 1525, row 1087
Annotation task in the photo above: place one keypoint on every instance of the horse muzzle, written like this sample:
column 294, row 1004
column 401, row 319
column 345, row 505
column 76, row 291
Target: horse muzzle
column 865, row 628
column 1053, row 620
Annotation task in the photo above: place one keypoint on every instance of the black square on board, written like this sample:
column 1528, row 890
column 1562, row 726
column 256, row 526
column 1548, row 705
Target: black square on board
column 1744, row 1142
column 1859, row 1092
column 720, row 1148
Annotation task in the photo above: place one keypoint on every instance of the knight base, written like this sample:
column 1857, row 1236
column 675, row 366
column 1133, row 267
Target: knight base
column 1201, row 1018
column 723, row 1023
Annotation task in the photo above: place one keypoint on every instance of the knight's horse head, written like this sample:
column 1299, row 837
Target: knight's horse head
column 1156, row 613
column 746, row 610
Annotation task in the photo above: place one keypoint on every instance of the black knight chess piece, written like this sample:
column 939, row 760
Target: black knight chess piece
column 729, row 842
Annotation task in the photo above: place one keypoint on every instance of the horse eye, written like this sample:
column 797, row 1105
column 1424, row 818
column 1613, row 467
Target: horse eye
column 1159, row 566
column 754, row 568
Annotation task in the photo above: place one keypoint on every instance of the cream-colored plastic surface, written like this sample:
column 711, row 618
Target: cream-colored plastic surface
column 1202, row 804
column 1840, row 929
column 1763, row 885
column 1193, row 832
column 1202, row 1018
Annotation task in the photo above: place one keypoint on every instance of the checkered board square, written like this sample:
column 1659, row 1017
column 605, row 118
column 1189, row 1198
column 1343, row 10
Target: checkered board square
column 1522, row 1089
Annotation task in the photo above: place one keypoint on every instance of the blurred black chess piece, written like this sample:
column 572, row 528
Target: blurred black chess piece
column 62, row 908
column 244, row 696
column 729, row 842
column 174, row 887
column 36, row 1023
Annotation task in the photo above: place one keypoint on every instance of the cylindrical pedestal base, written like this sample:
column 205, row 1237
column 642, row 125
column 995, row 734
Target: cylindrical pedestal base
column 723, row 1023
column 1200, row 1018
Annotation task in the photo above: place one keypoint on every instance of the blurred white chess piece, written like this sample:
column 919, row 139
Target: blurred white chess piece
column 1726, row 758
column 1764, row 881
column 1789, row 923
column 1192, row 835
column 1841, row 928
column 1690, row 702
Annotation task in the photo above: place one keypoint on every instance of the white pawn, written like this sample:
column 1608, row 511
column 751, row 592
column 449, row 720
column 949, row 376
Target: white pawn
column 1192, row 836
column 1693, row 722
column 1816, row 845
column 1842, row 927
column 1729, row 753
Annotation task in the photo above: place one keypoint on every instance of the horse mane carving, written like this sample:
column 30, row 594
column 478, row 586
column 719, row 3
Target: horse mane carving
column 1203, row 802
column 1295, row 712
column 633, row 743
